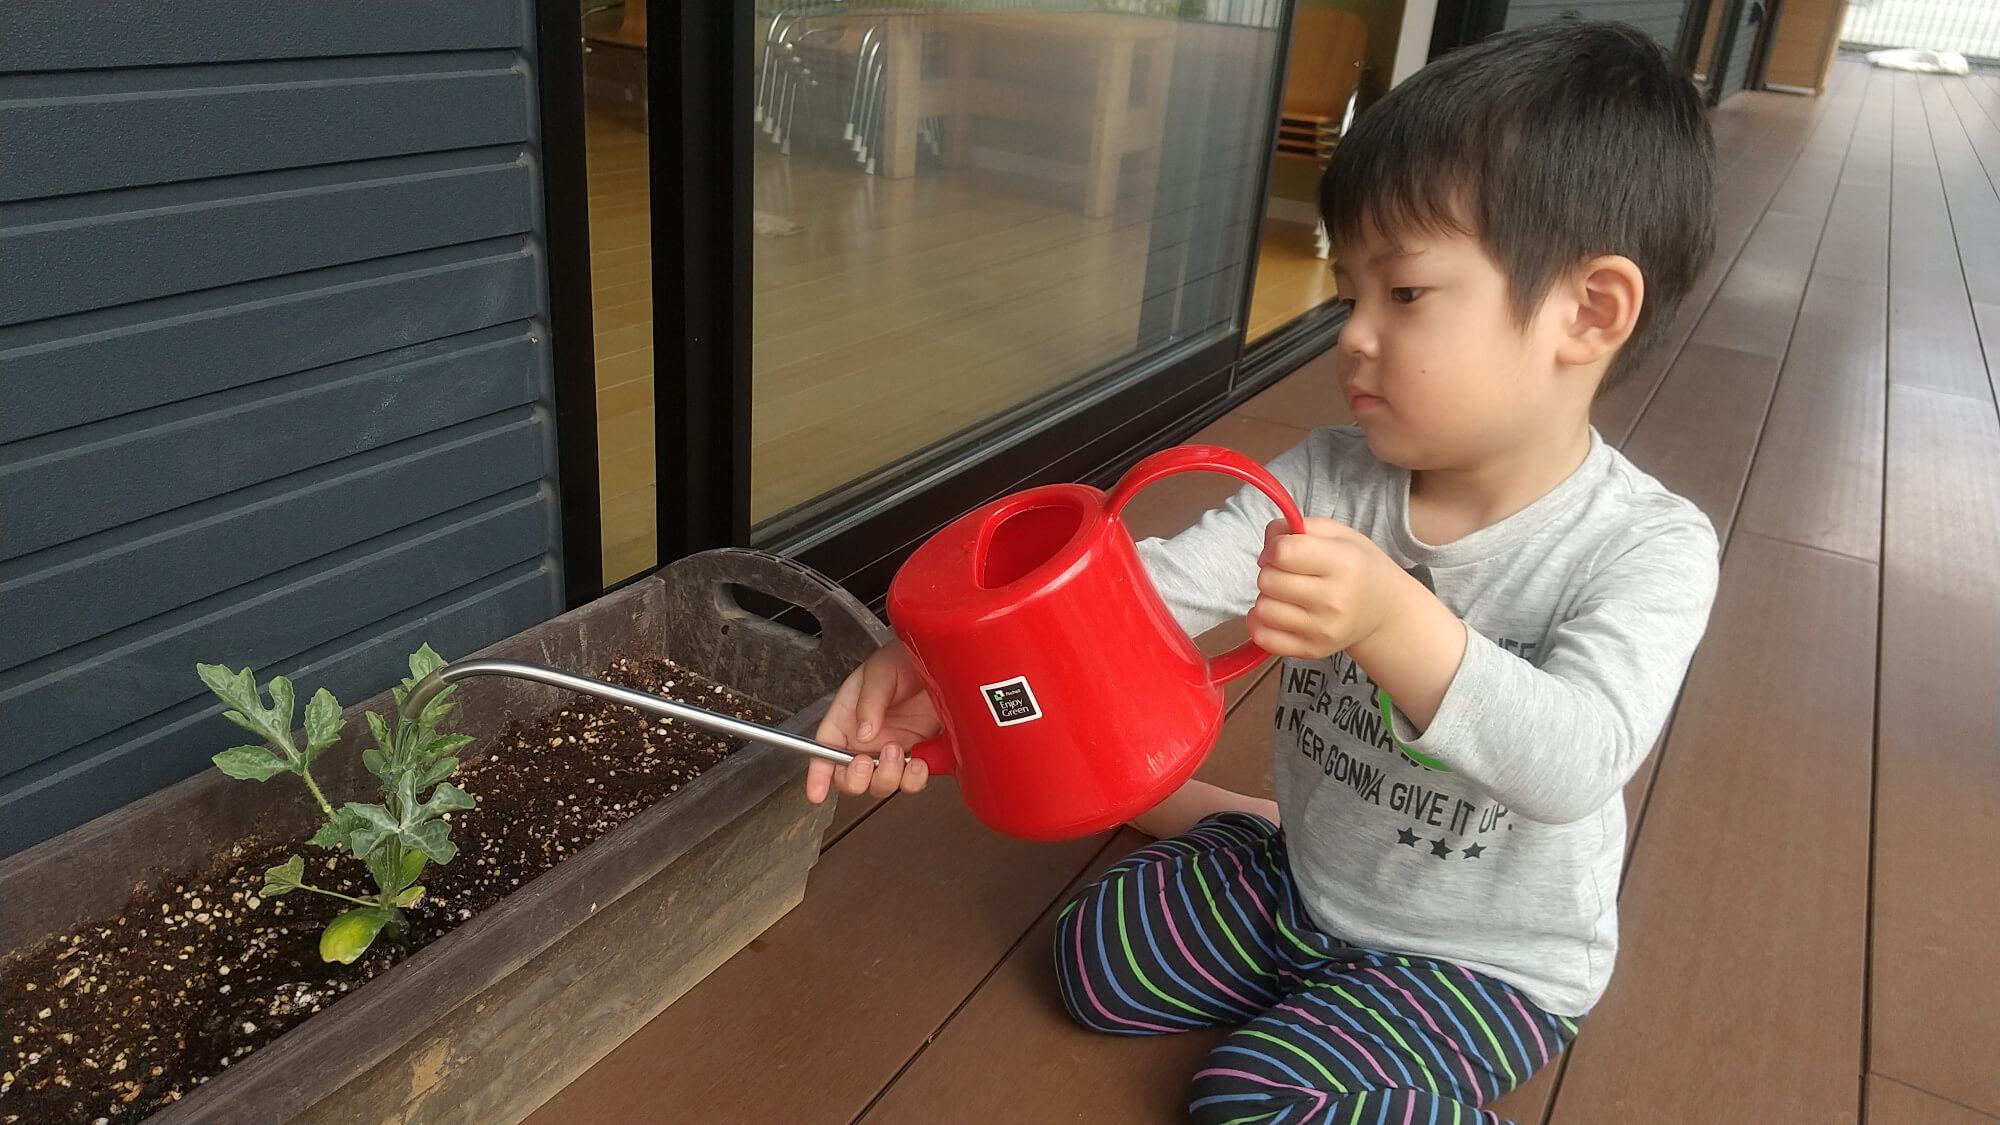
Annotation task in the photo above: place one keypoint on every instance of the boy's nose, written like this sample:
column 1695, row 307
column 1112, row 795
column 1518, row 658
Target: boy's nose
column 1357, row 338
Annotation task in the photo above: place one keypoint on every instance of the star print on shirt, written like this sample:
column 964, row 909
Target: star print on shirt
column 1440, row 849
column 1407, row 837
column 1472, row 851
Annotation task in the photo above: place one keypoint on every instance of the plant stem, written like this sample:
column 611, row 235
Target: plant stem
column 306, row 773
column 337, row 894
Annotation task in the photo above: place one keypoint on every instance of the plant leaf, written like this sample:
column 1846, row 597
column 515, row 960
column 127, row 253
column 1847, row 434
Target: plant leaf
column 237, row 689
column 423, row 662
column 435, row 772
column 411, row 896
column 286, row 877
column 280, row 715
column 322, row 723
column 255, row 725
column 380, row 729
column 376, row 763
column 446, row 744
column 383, row 871
column 251, row 763
column 405, row 804
column 347, row 937
column 413, row 866
column 334, row 833
column 376, row 826
column 439, row 706
column 448, row 798
column 433, row 838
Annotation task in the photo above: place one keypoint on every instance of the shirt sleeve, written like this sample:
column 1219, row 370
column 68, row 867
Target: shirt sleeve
column 1556, row 742
column 1208, row 573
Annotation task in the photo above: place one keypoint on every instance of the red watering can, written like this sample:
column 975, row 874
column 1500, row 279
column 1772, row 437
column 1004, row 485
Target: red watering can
column 1071, row 699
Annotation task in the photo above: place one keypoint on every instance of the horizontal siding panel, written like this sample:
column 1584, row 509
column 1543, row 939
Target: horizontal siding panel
column 273, row 370
column 102, row 140
column 181, row 454
column 157, row 565
column 62, row 35
column 47, row 710
column 72, row 264
column 67, row 372
column 161, row 749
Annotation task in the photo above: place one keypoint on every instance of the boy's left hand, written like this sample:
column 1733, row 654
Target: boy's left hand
column 1323, row 592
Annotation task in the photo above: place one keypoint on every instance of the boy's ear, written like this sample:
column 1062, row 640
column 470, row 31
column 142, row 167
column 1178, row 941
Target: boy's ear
column 1609, row 291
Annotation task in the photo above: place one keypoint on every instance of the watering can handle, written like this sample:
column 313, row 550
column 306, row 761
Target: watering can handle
column 1214, row 459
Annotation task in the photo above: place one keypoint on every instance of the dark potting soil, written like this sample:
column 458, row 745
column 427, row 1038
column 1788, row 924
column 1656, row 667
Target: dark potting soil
column 127, row 1014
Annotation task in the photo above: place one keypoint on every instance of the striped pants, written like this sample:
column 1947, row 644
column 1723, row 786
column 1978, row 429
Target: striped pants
column 1206, row 930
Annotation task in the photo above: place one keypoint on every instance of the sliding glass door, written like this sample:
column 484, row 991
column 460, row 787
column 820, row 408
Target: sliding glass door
column 971, row 219
column 906, row 255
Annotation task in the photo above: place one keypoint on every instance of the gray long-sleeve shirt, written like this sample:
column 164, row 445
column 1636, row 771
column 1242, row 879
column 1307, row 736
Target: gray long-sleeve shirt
column 1581, row 612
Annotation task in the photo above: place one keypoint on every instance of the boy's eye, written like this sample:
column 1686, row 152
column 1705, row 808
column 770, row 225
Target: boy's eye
column 1404, row 295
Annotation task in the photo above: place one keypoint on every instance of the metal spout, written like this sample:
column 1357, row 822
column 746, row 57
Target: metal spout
column 428, row 687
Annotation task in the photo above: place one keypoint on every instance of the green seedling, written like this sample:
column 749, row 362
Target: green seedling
column 395, row 837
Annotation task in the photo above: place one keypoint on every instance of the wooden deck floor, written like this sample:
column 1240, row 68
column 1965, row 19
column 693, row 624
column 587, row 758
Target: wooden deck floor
column 1811, row 912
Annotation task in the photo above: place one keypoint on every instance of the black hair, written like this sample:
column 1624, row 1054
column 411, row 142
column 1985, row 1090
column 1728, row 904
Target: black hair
column 1550, row 144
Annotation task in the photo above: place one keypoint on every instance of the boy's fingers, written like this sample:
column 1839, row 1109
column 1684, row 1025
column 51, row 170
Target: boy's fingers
column 888, row 775
column 872, row 706
column 819, row 779
column 839, row 719
column 915, row 776
column 853, row 778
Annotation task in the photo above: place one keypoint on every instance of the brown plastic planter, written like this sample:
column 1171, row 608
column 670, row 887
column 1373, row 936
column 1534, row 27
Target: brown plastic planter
column 494, row 1018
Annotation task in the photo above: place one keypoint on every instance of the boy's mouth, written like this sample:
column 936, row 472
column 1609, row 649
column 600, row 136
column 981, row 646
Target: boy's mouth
column 1360, row 401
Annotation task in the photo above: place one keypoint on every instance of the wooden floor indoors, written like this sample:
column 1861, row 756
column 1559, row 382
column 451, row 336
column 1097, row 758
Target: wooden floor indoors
column 1291, row 281
column 891, row 314
column 1811, row 912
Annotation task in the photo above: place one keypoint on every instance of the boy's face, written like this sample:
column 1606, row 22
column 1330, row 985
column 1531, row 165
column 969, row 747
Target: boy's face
column 1437, row 371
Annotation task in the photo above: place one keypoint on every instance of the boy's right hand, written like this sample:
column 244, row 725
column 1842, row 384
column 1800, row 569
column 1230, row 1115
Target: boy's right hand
column 879, row 713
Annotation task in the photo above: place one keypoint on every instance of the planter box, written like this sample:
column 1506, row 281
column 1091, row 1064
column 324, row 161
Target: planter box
column 495, row 1017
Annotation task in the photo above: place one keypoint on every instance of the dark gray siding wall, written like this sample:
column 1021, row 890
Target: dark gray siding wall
column 1659, row 18
column 274, row 387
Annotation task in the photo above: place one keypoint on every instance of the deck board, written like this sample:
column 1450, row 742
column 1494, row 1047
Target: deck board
column 1744, row 852
column 1892, row 1103
column 1932, row 340
column 1818, row 473
column 1701, row 430
column 1937, row 854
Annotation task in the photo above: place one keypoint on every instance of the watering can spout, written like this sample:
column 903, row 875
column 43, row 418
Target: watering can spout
column 421, row 695
column 428, row 688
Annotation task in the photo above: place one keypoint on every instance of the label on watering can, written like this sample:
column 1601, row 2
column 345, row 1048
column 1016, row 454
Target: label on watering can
column 1011, row 701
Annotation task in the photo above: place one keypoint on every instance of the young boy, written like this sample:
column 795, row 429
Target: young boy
column 1483, row 627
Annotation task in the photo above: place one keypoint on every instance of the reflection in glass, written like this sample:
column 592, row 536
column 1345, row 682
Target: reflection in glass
column 1341, row 54
column 621, row 281
column 967, row 211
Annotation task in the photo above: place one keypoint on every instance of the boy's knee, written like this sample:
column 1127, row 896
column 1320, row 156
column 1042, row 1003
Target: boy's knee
column 1084, row 965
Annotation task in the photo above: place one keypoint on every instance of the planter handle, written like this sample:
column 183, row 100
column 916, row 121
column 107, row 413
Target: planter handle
column 762, row 658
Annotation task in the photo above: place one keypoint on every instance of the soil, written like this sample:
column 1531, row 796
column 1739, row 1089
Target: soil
column 122, row 1016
